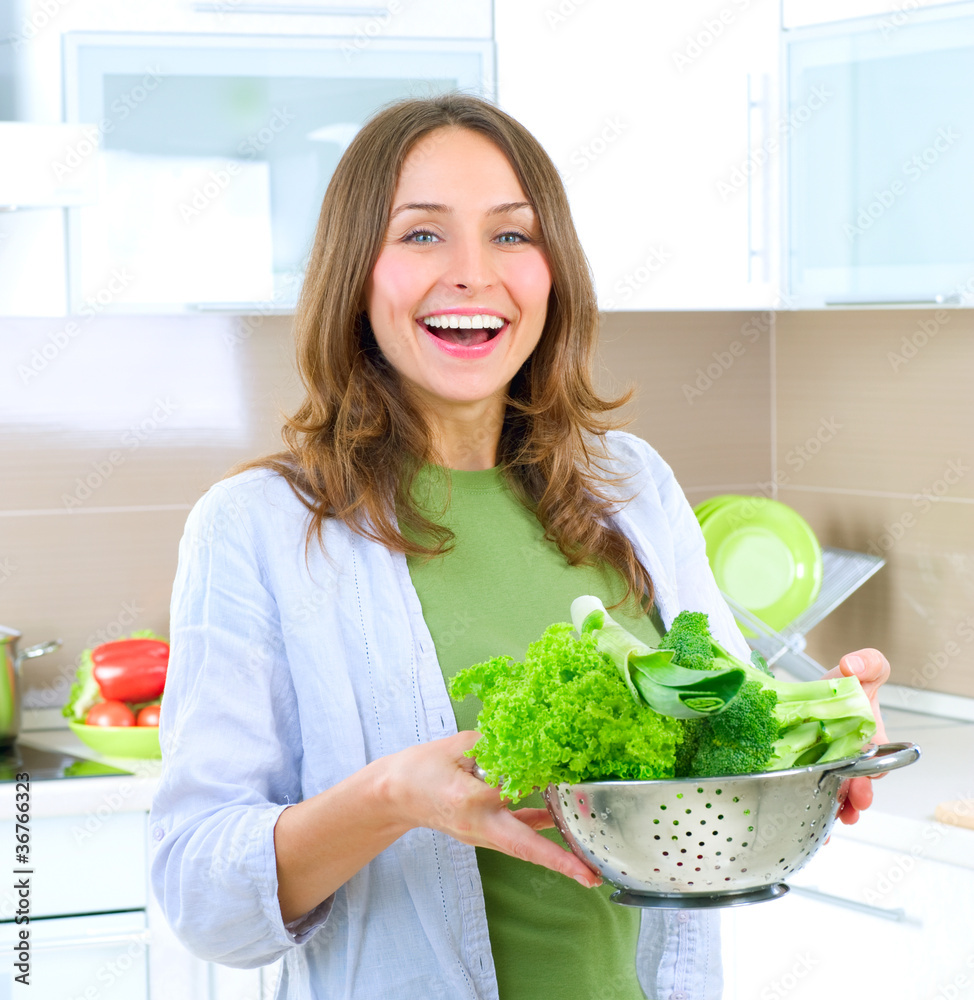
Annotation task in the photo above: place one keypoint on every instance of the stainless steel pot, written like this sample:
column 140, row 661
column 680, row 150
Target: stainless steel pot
column 10, row 661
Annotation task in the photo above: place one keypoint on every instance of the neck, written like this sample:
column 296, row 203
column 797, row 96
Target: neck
column 467, row 437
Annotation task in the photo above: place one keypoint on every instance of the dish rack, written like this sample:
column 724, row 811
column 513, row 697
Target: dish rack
column 843, row 572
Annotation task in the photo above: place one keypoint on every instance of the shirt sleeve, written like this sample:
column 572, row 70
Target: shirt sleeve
column 231, row 747
column 697, row 589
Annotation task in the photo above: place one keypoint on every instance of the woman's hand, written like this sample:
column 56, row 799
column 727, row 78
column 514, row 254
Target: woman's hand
column 872, row 669
column 434, row 786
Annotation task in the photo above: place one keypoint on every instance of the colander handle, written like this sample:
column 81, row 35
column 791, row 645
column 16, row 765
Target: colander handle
column 880, row 759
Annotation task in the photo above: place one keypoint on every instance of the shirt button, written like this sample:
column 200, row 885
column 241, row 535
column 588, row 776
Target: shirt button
column 158, row 833
column 678, row 995
column 682, row 917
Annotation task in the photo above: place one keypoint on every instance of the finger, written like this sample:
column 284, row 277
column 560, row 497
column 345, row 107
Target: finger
column 536, row 819
column 860, row 793
column 517, row 840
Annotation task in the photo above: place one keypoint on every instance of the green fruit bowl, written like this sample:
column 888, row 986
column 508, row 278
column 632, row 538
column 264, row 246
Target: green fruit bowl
column 120, row 741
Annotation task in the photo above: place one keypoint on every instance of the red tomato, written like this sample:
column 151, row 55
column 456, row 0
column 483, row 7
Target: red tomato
column 148, row 716
column 110, row 713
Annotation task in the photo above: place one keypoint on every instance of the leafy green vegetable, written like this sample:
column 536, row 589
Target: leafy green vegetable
column 563, row 715
column 650, row 675
column 85, row 691
column 772, row 724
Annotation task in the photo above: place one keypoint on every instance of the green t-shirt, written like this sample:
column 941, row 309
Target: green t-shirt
column 494, row 593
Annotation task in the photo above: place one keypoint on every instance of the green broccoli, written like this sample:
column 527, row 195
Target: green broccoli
column 772, row 724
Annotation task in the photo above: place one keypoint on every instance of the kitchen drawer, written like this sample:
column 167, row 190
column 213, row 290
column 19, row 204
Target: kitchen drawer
column 101, row 956
column 81, row 864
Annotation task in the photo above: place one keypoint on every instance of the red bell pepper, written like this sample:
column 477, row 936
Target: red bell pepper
column 132, row 670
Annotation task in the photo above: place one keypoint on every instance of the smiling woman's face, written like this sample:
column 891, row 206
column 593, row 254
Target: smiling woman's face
column 458, row 296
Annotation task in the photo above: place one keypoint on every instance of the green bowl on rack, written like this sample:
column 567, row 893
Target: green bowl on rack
column 763, row 554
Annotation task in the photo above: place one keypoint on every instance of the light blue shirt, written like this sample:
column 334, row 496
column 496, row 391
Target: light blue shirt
column 291, row 668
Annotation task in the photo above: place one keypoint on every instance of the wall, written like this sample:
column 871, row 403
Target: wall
column 109, row 435
column 881, row 404
column 863, row 421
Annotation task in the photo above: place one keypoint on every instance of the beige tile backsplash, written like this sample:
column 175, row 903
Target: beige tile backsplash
column 862, row 421
column 107, row 440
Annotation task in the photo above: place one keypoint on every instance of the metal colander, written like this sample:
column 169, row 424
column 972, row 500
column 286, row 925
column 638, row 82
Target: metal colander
column 700, row 842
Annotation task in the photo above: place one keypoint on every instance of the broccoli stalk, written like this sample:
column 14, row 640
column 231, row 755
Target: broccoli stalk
column 772, row 724
column 650, row 674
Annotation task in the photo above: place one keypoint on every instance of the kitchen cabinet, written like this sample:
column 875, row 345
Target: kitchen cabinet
column 87, row 892
column 861, row 920
column 878, row 186
column 893, row 13
column 233, row 115
column 663, row 122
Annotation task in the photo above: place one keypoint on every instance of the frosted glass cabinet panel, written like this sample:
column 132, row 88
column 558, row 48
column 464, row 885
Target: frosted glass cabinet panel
column 216, row 152
column 880, row 186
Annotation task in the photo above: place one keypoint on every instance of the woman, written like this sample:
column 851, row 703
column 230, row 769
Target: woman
column 448, row 487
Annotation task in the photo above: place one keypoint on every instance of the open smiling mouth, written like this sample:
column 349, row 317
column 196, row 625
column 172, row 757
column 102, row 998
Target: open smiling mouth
column 464, row 331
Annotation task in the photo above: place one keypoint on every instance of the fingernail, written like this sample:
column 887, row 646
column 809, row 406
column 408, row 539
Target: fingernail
column 856, row 664
column 583, row 882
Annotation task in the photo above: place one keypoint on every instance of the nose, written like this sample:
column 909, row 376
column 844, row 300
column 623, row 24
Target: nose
column 470, row 266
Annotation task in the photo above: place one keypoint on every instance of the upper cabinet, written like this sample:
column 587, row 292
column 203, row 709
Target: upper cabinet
column 663, row 120
column 215, row 127
column 878, row 190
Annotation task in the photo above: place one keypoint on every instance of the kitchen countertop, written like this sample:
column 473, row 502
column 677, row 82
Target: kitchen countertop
column 901, row 818
column 80, row 796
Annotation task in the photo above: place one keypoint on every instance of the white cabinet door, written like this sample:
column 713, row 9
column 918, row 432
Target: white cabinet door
column 661, row 119
column 103, row 956
column 871, row 923
column 82, row 864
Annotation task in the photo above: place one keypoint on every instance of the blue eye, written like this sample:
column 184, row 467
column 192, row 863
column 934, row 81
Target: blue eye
column 421, row 237
column 512, row 238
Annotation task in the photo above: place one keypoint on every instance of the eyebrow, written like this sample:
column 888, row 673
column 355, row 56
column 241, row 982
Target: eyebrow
column 429, row 206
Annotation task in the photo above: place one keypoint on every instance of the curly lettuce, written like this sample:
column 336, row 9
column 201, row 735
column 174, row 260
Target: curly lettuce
column 563, row 715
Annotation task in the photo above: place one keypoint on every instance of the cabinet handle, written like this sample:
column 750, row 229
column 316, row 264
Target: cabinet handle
column 764, row 251
column 85, row 941
column 222, row 7
column 937, row 300
column 899, row 915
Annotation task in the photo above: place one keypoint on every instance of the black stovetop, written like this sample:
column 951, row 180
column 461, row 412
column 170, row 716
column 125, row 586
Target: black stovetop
column 44, row 765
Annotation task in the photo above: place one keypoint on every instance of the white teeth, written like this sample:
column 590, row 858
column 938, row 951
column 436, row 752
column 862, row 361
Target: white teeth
column 454, row 321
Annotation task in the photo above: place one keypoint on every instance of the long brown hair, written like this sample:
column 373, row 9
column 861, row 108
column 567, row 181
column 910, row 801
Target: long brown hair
column 356, row 441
